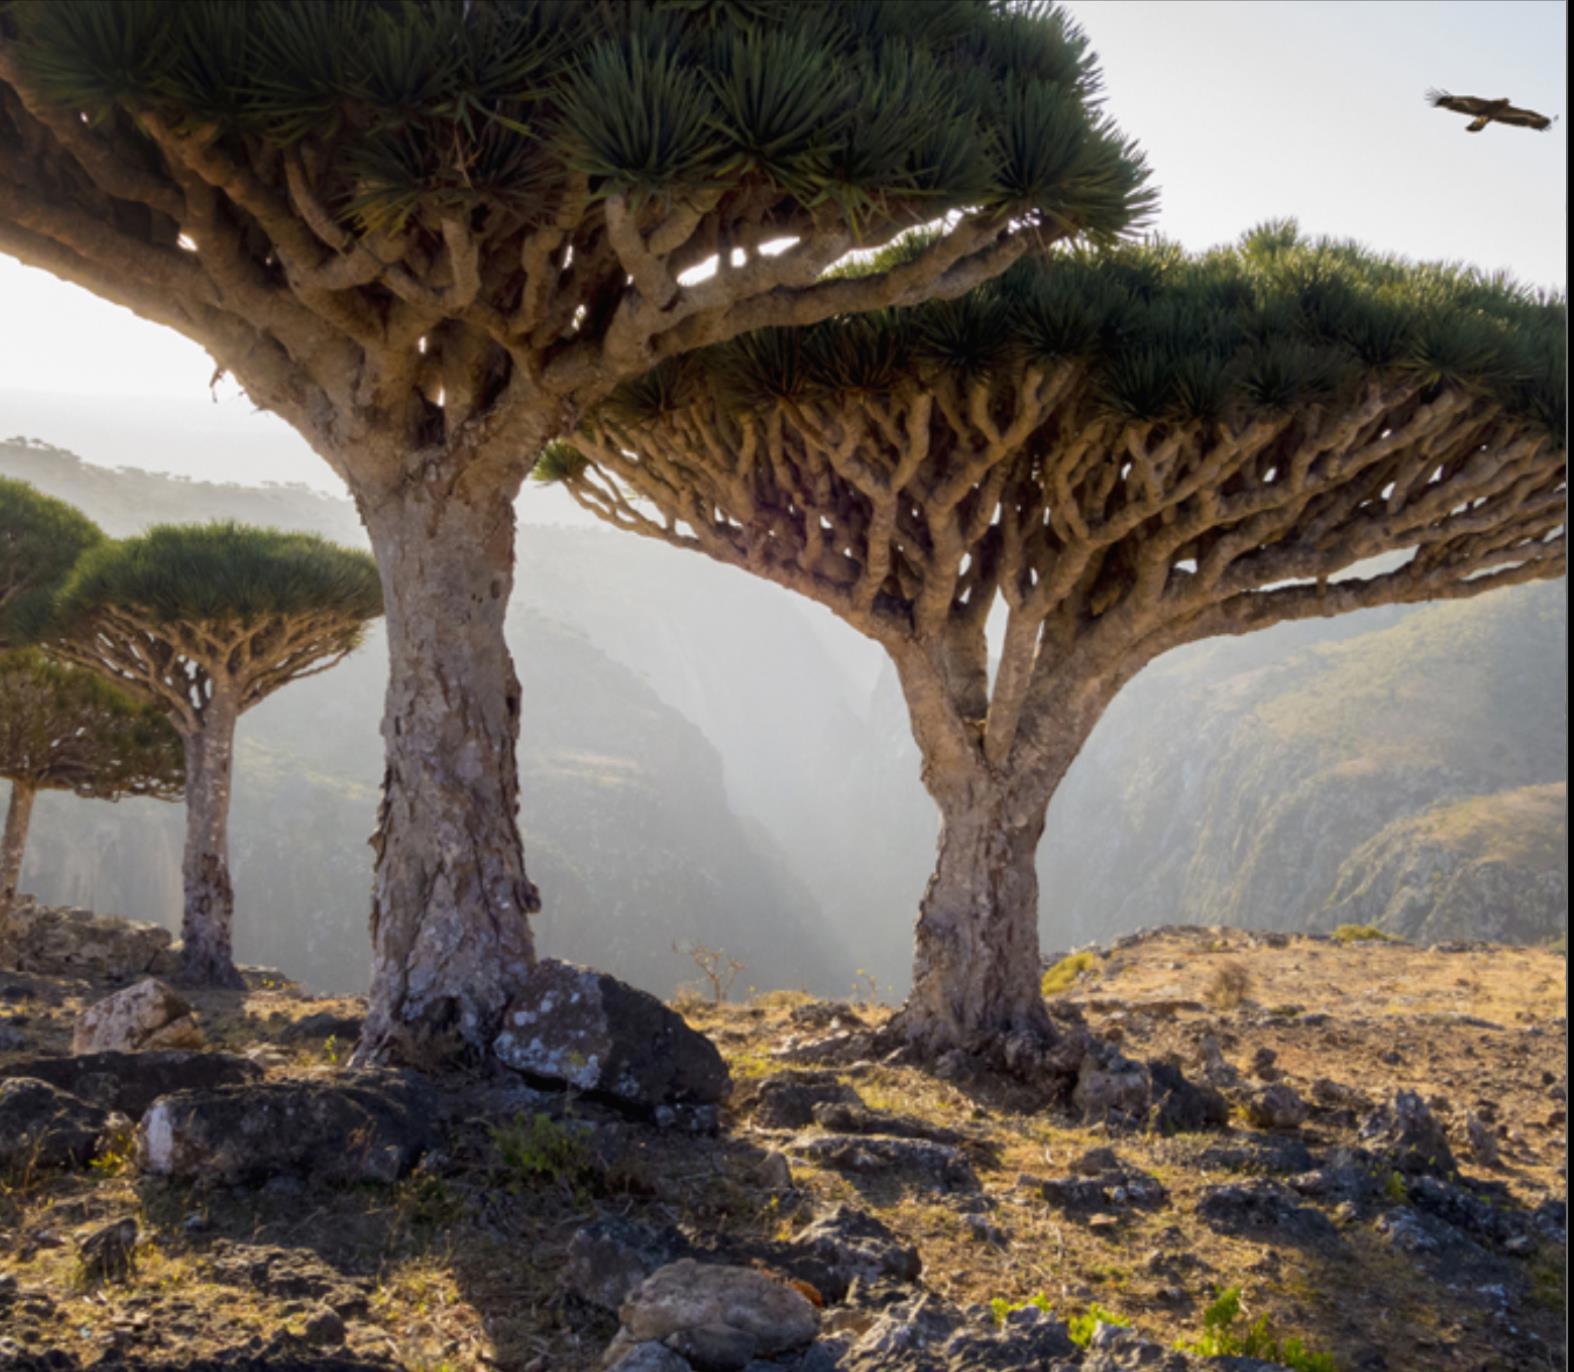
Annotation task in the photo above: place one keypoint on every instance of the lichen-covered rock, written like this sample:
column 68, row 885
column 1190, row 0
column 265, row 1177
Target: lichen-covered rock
column 368, row 1126
column 590, row 1030
column 1180, row 1106
column 1410, row 1136
column 717, row 1316
column 55, row 941
column 928, row 1334
column 877, row 1154
column 42, row 1126
column 1261, row 1207
column 786, row 1100
column 1276, row 1107
column 844, row 1245
column 1116, row 1091
column 106, row 1253
column 130, row 1082
column 1104, row 1184
column 146, row 1015
column 609, row 1258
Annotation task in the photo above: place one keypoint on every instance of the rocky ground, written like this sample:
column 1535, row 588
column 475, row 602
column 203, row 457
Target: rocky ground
column 1358, row 1144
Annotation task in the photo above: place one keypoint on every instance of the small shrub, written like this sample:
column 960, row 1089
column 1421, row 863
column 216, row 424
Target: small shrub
column 1000, row 1307
column 1361, row 933
column 1395, row 1189
column 1080, row 1329
column 719, row 970
column 1227, row 987
column 1221, row 1339
column 1065, row 973
column 540, row 1149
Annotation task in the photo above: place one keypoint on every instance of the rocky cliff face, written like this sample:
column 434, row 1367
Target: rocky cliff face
column 1491, row 867
column 1243, row 784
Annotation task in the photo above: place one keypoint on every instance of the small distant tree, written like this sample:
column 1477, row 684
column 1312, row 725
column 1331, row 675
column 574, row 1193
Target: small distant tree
column 40, row 539
column 1112, row 455
column 204, row 622
column 64, row 729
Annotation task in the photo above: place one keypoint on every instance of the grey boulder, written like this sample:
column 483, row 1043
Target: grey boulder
column 42, row 1126
column 589, row 1030
column 365, row 1126
column 130, row 1082
column 718, row 1317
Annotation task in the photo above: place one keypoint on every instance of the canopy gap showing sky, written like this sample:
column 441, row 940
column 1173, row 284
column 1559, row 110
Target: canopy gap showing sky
column 1312, row 109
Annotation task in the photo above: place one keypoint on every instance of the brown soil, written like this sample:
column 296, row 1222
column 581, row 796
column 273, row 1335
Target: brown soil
column 458, row 1266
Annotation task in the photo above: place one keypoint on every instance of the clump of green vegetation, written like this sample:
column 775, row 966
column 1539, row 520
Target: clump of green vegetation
column 1000, row 1307
column 1065, row 973
column 1361, row 933
column 1227, row 988
column 540, row 1149
column 1221, row 1339
column 1080, row 1329
column 1549, row 1279
column 1395, row 1189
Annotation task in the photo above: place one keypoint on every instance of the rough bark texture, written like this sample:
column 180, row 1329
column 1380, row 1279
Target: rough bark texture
column 451, row 940
column 206, row 956
column 18, row 812
column 976, row 965
column 975, row 957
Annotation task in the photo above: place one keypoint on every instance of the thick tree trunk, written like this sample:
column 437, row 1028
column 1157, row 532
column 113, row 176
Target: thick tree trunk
column 206, row 958
column 450, row 936
column 18, row 813
column 975, row 961
column 976, row 972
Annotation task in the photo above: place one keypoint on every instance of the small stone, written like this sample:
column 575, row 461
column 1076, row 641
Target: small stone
column 610, row 1257
column 1276, row 1107
column 146, row 1015
column 1409, row 1135
column 775, row 1172
column 845, row 1245
column 1482, row 1141
column 325, row 1328
column 105, row 1254
column 1096, row 1161
column 728, row 1315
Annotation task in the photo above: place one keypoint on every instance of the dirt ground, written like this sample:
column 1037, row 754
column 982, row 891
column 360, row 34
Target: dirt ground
column 460, row 1265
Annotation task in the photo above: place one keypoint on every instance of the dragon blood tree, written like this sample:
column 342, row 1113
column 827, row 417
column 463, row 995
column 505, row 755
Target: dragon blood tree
column 63, row 729
column 1098, row 458
column 40, row 537
column 203, row 622
column 431, row 234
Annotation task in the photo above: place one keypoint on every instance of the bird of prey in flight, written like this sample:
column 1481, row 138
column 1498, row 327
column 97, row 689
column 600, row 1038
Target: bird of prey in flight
column 1488, row 112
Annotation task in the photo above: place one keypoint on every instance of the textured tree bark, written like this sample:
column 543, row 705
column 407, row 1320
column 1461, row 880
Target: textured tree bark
column 975, row 963
column 451, row 942
column 206, row 957
column 976, row 973
column 18, row 813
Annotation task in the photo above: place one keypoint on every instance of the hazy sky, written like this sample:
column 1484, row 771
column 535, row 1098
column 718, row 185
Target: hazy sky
column 1247, row 111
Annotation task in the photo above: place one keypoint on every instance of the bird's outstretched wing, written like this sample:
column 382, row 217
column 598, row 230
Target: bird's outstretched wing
column 1523, row 119
column 1460, row 104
